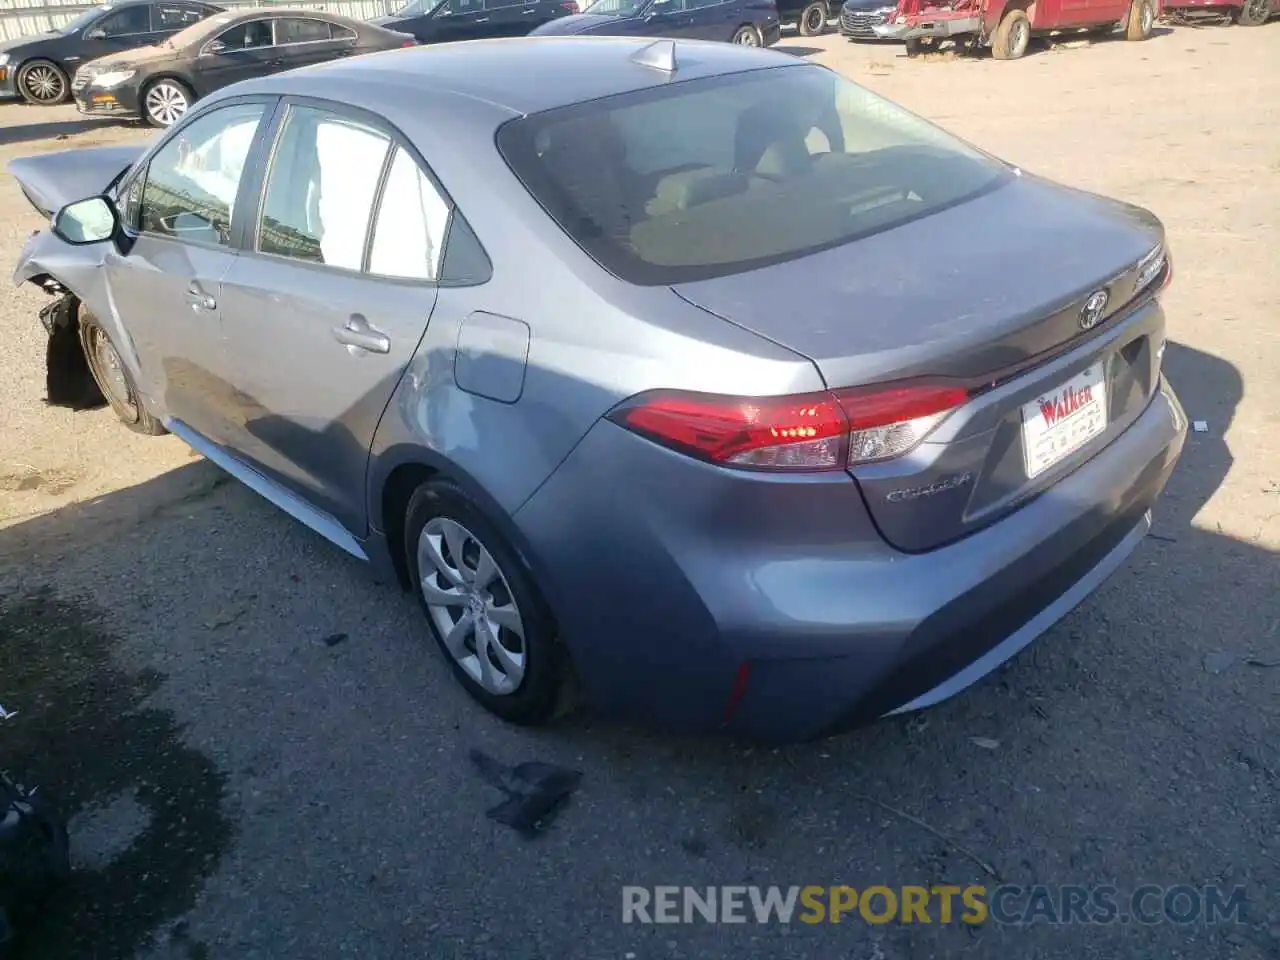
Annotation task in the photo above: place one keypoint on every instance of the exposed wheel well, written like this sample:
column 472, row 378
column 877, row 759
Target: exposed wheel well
column 1027, row 6
column 396, row 492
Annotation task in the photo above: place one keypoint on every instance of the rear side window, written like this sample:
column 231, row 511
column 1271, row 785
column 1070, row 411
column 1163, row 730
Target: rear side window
column 301, row 31
column 711, row 177
column 191, row 183
column 321, row 189
column 408, row 238
column 126, row 22
column 169, row 18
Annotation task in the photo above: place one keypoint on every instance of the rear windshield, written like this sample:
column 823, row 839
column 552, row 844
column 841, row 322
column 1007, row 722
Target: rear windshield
column 704, row 178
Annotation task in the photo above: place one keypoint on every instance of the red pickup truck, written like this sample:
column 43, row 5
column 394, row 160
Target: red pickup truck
column 1007, row 26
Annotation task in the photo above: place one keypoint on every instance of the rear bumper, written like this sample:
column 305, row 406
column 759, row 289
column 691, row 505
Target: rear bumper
column 666, row 577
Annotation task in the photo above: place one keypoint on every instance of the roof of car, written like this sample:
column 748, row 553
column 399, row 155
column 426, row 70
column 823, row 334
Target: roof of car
column 523, row 75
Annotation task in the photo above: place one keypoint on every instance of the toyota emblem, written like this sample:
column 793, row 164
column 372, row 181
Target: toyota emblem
column 1093, row 309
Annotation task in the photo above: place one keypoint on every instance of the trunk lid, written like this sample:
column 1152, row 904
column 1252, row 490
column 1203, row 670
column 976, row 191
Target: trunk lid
column 991, row 291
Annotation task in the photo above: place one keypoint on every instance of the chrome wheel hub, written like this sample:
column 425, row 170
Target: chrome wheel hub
column 112, row 370
column 166, row 104
column 43, row 83
column 471, row 606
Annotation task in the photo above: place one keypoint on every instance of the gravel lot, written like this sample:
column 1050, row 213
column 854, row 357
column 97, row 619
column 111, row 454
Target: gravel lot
column 265, row 758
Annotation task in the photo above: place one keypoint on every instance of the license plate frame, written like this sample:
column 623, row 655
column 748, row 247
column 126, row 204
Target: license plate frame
column 1061, row 421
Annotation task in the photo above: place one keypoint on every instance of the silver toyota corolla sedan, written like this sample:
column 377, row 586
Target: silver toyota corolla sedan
column 752, row 399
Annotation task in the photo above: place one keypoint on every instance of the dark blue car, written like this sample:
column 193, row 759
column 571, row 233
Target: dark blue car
column 752, row 23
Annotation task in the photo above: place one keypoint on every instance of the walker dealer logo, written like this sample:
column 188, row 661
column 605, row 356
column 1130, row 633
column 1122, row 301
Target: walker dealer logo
column 1063, row 406
column 972, row 905
column 1091, row 312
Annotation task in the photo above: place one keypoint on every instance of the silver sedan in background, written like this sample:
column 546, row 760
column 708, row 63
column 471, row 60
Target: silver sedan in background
column 700, row 371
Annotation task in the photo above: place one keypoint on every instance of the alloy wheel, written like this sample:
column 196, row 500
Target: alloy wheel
column 1021, row 37
column 815, row 21
column 166, row 103
column 471, row 606
column 1256, row 11
column 746, row 37
column 43, row 83
column 1149, row 17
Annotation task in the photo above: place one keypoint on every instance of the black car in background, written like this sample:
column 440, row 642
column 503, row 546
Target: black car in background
column 442, row 21
column 39, row 69
column 158, row 84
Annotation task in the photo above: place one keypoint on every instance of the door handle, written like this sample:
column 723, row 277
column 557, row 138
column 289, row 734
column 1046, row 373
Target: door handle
column 481, row 20
column 200, row 300
column 357, row 334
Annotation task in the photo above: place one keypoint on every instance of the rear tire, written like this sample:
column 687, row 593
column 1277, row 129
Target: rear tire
column 1254, row 13
column 165, row 102
column 813, row 19
column 1012, row 36
column 1142, row 20
column 507, row 657
column 113, row 378
column 747, row 36
column 42, row 83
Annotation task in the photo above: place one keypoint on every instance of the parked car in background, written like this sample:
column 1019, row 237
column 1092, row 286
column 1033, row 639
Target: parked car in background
column 809, row 16
column 749, row 23
column 39, row 69
column 759, row 402
column 859, row 18
column 159, row 84
column 1007, row 26
column 442, row 21
column 1247, row 13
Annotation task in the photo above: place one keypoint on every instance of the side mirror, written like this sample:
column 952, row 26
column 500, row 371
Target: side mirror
column 86, row 221
column 656, row 8
column 96, row 33
column 213, row 48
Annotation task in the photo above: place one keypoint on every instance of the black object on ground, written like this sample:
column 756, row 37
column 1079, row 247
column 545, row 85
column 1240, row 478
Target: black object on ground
column 34, row 856
column 534, row 791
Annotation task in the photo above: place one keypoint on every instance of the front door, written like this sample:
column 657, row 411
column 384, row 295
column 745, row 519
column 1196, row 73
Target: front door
column 124, row 29
column 714, row 19
column 322, row 316
column 460, row 20
column 166, row 288
column 238, row 53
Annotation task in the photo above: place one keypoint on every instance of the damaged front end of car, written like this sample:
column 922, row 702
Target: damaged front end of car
column 70, row 274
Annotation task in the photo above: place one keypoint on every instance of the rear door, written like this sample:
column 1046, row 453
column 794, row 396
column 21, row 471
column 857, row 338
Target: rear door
column 166, row 290
column 323, row 314
column 459, row 20
column 301, row 41
column 714, row 19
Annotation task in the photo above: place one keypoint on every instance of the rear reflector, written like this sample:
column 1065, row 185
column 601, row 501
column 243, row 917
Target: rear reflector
column 830, row 430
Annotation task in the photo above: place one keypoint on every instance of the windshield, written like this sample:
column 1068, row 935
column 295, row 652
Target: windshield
column 616, row 8
column 716, row 176
column 83, row 19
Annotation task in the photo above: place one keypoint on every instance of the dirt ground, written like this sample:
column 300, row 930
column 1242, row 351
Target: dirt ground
column 265, row 759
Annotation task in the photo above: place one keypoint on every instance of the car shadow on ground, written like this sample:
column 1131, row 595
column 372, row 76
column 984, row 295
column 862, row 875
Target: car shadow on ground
column 50, row 129
column 182, row 647
column 796, row 49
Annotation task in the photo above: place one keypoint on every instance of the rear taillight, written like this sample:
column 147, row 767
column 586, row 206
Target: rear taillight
column 1155, row 265
column 829, row 430
column 408, row 43
column 570, row 6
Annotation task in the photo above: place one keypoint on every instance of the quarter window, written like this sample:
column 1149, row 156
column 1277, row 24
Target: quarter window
column 320, row 189
column 192, row 181
column 408, row 238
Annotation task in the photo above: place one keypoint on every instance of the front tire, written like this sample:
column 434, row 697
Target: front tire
column 482, row 606
column 165, row 102
column 113, row 378
column 1142, row 20
column 813, row 19
column 42, row 83
column 1254, row 13
column 1012, row 36
column 747, row 36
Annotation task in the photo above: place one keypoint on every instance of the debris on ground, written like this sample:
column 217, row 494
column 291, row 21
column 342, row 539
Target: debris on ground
column 1200, row 426
column 535, row 791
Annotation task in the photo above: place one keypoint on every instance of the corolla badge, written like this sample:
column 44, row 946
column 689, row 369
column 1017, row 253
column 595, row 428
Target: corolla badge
column 941, row 486
column 1094, row 307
